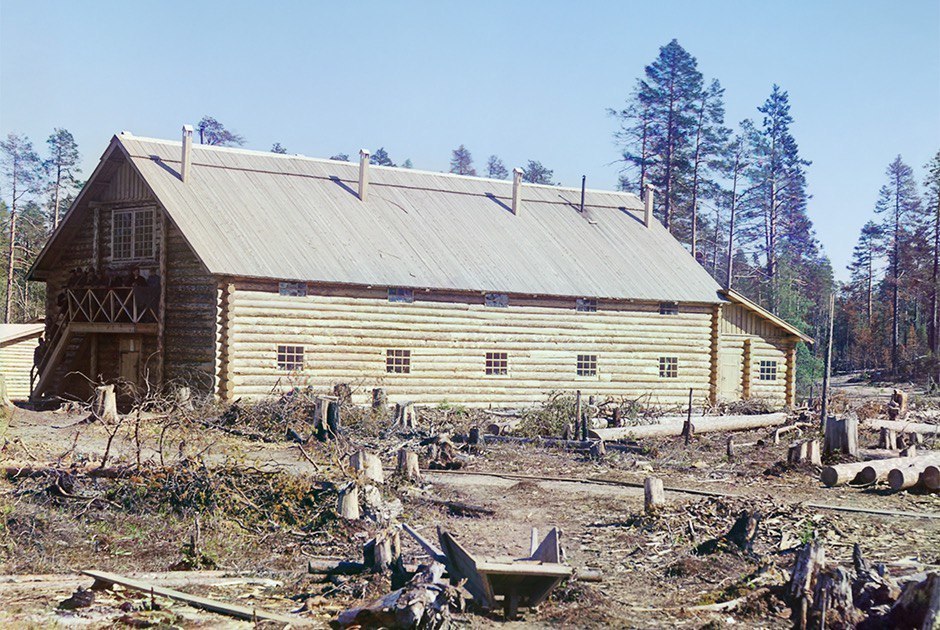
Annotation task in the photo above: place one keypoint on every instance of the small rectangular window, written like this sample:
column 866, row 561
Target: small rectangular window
column 668, row 308
column 587, row 365
column 293, row 289
column 497, row 363
column 668, row 367
column 768, row 370
column 132, row 234
column 586, row 305
column 290, row 358
column 497, row 300
column 398, row 361
column 400, row 294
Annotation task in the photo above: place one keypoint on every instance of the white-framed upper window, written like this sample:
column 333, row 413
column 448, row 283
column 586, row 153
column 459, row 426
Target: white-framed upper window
column 292, row 289
column 586, row 305
column 401, row 295
column 132, row 234
column 496, row 300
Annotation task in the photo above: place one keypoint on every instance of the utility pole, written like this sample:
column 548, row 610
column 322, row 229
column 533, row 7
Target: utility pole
column 824, row 408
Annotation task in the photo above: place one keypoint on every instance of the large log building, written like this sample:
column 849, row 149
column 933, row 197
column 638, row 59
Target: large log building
column 259, row 272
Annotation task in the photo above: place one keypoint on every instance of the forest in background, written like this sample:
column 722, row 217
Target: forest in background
column 736, row 197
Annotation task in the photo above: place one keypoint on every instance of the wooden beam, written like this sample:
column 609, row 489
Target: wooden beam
column 791, row 374
column 713, row 381
column 234, row 610
column 746, row 370
column 113, row 328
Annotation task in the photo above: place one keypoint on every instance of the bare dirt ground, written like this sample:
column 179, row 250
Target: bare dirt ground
column 262, row 509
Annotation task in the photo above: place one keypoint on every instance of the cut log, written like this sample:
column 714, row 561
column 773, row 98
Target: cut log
column 905, row 427
column 853, row 473
column 348, row 502
column 654, row 497
column 368, row 465
column 907, row 476
column 334, row 567
column 408, row 465
column 503, row 427
column 931, row 477
column 674, row 427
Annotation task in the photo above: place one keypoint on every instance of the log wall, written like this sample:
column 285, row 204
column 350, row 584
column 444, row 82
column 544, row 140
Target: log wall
column 757, row 340
column 346, row 332
column 16, row 361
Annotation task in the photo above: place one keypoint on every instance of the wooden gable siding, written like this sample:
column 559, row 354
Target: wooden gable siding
column 16, row 361
column 346, row 332
column 190, row 318
column 127, row 186
column 755, row 339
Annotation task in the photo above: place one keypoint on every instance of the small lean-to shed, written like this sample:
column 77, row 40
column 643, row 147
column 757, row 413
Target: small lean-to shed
column 18, row 344
column 264, row 272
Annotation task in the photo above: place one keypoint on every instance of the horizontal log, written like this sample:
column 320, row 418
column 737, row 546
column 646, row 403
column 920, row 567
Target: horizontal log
column 905, row 427
column 673, row 427
column 577, row 445
column 851, row 473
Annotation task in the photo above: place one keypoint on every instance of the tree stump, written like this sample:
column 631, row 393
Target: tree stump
column 348, row 502
column 800, row 590
column 368, row 465
column 617, row 422
column 105, row 405
column 475, row 439
column 408, row 465
column 888, row 438
column 343, row 393
column 841, row 436
column 654, row 496
column 729, row 447
column 598, row 450
column 405, row 415
column 379, row 400
column 333, row 424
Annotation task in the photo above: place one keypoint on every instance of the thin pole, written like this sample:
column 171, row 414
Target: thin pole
column 824, row 407
column 583, row 182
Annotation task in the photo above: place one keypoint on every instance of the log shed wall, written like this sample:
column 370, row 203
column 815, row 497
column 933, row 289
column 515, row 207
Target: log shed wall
column 759, row 342
column 346, row 334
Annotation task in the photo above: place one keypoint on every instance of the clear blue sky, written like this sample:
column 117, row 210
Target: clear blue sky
column 522, row 79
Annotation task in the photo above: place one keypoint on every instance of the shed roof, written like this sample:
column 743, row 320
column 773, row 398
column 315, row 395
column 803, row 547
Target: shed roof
column 258, row 214
column 18, row 332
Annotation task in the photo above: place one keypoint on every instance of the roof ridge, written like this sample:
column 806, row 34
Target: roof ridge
column 299, row 156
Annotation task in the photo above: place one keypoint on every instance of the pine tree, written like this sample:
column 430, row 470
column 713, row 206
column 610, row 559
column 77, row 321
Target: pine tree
column 899, row 204
column 21, row 168
column 277, row 147
column 864, row 263
column 709, row 138
column 62, row 167
column 495, row 169
column 535, row 173
column 733, row 166
column 932, row 207
column 340, row 157
column 380, row 158
column 212, row 132
column 461, row 162
column 778, row 216
column 407, row 163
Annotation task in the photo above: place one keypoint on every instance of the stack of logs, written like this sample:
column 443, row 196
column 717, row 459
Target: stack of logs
column 901, row 473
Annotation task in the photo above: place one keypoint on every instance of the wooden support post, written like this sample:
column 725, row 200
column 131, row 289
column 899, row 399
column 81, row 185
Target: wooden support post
column 827, row 367
column 746, row 370
column 687, row 428
column 654, row 496
column 791, row 375
column 714, row 367
column 577, row 415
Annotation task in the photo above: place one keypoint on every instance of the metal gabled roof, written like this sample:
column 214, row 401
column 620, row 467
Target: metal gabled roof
column 258, row 214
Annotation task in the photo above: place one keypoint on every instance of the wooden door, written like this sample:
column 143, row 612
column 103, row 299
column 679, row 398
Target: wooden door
column 129, row 364
column 730, row 370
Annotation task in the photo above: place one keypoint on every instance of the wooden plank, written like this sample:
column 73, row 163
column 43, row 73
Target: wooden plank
column 425, row 544
column 549, row 550
column 522, row 569
column 463, row 565
column 204, row 603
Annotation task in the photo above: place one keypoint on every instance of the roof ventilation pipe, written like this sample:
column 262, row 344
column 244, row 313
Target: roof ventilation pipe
column 186, row 159
column 648, row 204
column 516, row 189
column 364, row 156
